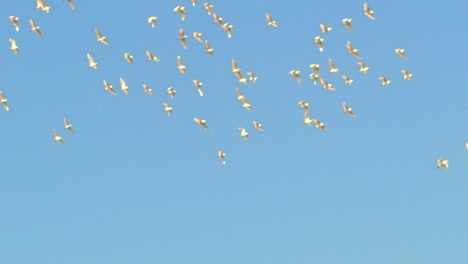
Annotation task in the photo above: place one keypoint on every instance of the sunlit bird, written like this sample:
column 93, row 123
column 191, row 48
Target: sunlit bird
column 4, row 102
column 91, row 62
column 314, row 76
column 319, row 41
column 218, row 20
column 151, row 57
column 362, row 67
column 171, row 92
column 72, row 5
column 244, row 133
column 147, row 90
column 296, row 75
column 198, row 36
column 209, row 49
column 222, row 157
column 194, row 2
column 14, row 21
column 183, row 38
column 234, row 66
column 168, row 108
column 368, row 12
column 327, row 85
column 100, row 37
column 348, row 110
column 14, row 47
column 348, row 81
column 198, row 85
column 252, row 77
column 181, row 11
column 385, row 81
column 401, row 52
column 333, row 68
column 270, row 21
column 325, row 28
column 257, row 125
column 319, row 124
column 406, row 74
column 353, row 51
column 307, row 119
column 202, row 123
column 315, row 67
column 67, row 125
column 129, row 58
column 208, row 7
column 152, row 21
column 304, row 105
column 108, row 87
column 442, row 163
column 57, row 137
column 35, row 28
column 123, row 86
column 41, row 4
column 347, row 24
column 228, row 28
column 180, row 66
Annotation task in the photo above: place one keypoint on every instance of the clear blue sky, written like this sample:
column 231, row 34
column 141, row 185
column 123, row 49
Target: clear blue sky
column 133, row 185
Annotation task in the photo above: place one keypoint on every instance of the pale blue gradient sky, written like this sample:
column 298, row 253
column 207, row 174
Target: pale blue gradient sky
column 133, row 185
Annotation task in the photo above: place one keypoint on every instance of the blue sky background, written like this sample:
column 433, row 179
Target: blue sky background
column 133, row 185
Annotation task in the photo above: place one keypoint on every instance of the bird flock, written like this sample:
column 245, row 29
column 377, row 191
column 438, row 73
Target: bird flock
column 315, row 75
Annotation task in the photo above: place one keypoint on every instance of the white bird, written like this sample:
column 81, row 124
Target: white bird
column 406, row 75
column 208, row 48
column 68, row 125
column 198, row 36
column 295, row 74
column 314, row 76
column 167, row 108
column 307, row 119
column 183, row 38
column 108, row 87
column 171, row 91
column 57, row 137
column 14, row 21
column 91, row 62
column 270, row 20
column 198, row 85
column 325, row 28
column 4, row 102
column 72, row 5
column 194, row 2
column 332, row 66
column 181, row 11
column 218, row 20
column 258, row 126
column 401, row 52
column 41, row 4
column 353, row 51
column 347, row 24
column 152, row 21
column 234, row 66
column 315, row 67
column 319, row 124
column 35, row 28
column 319, row 41
column 180, row 66
column 123, row 86
column 202, row 123
column 368, row 12
column 148, row 90
column 304, row 105
column 14, row 47
column 252, row 77
column 100, row 37
column 208, row 7
column 327, row 85
column 362, row 67
column 348, row 110
column 442, row 163
column 221, row 156
column 244, row 133
column 228, row 28
column 348, row 81
column 384, row 80
column 151, row 57
column 129, row 58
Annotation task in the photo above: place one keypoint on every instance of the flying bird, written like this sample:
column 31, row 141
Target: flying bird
column 180, row 66
column 257, row 125
column 152, row 21
column 14, row 21
column 244, row 133
column 234, row 66
column 221, row 156
column 129, row 58
column 91, row 62
column 35, row 28
column 295, row 74
column 327, row 85
column 194, row 2
column 332, row 66
column 209, row 49
column 181, row 11
column 319, row 124
column 348, row 81
column 348, row 110
column 228, row 28
column 442, row 163
column 347, row 24
column 14, row 47
column 353, row 51
column 315, row 67
column 183, row 38
column 325, row 28
column 208, row 7
column 401, row 52
column 100, row 37
column 304, row 105
column 41, row 4
column 314, row 76
column 362, row 67
column 406, row 75
column 123, row 86
column 385, row 81
column 147, row 90
column 198, row 36
column 151, row 57
column 167, row 108
column 4, row 102
column 171, row 91
column 72, row 5
column 67, row 125
column 108, row 87
column 218, row 20
column 252, row 77
column 307, row 119
column 198, row 85
column 368, row 12
column 57, row 137
column 270, row 20
column 202, row 123
column 319, row 41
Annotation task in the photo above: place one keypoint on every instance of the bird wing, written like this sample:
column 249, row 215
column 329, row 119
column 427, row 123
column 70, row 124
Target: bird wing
column 98, row 33
column 234, row 64
column 332, row 65
column 268, row 17
column 179, row 61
